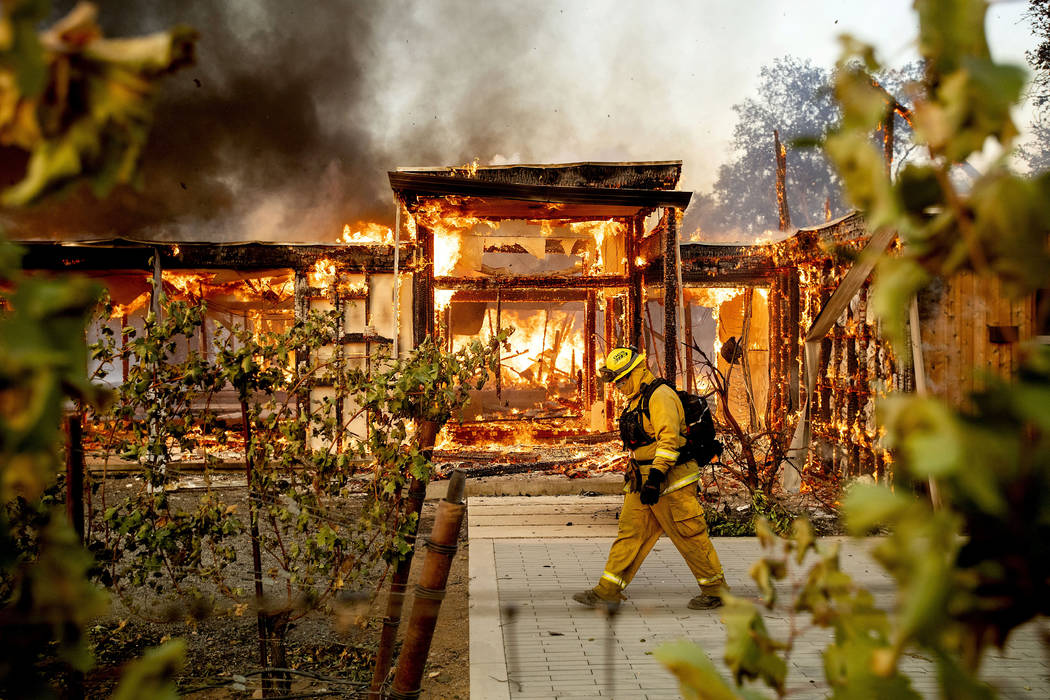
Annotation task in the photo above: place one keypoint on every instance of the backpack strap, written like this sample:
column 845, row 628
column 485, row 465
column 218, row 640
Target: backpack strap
column 647, row 392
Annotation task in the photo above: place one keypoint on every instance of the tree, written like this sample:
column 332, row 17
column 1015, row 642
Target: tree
column 1039, row 58
column 796, row 99
column 971, row 571
column 1035, row 153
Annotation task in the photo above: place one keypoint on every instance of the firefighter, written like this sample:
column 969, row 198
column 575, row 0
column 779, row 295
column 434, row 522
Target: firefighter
column 661, row 488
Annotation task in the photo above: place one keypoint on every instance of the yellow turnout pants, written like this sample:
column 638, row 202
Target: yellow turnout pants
column 678, row 514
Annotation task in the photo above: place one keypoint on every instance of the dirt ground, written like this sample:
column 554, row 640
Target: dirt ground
column 336, row 645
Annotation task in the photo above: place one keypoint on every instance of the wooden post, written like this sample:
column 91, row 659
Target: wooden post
column 634, row 290
column 687, row 318
column 795, row 334
column 423, row 286
column 781, row 183
column 775, row 403
column 499, row 350
column 417, row 491
column 430, row 591
column 589, row 360
column 75, row 473
column 670, row 295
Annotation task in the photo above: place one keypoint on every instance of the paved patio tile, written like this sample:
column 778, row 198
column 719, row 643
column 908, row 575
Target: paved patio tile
column 590, row 654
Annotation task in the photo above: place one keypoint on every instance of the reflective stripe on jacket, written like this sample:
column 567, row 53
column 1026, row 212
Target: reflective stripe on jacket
column 666, row 423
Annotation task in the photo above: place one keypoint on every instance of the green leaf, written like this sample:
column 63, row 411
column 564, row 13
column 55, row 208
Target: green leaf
column 949, row 32
column 750, row 652
column 897, row 280
column 697, row 676
column 863, row 172
column 153, row 676
column 803, row 537
column 868, row 506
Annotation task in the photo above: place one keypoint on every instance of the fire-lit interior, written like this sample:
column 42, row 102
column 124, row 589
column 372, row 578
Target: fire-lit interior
column 574, row 258
column 561, row 265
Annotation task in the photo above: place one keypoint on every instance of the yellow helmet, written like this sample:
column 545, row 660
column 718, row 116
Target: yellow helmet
column 619, row 363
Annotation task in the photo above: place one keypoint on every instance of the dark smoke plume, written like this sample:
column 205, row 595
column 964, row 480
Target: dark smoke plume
column 285, row 128
column 261, row 139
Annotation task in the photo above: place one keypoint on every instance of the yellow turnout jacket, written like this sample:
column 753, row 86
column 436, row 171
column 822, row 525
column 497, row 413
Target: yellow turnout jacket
column 666, row 423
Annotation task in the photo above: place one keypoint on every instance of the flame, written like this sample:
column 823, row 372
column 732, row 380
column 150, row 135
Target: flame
column 447, row 246
column 442, row 218
column 322, row 275
column 598, row 230
column 367, row 232
column 129, row 308
column 537, row 356
column 175, row 250
column 190, row 285
column 640, row 261
column 442, row 298
column 714, row 297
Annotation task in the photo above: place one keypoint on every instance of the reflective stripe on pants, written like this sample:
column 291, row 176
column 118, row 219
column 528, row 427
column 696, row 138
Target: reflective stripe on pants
column 678, row 514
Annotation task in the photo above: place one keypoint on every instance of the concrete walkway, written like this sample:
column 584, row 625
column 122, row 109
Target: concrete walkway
column 528, row 639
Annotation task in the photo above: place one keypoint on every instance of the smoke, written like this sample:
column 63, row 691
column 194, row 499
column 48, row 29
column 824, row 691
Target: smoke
column 285, row 128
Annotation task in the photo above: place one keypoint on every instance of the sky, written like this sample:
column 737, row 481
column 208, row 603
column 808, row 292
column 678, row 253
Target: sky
column 296, row 110
column 628, row 80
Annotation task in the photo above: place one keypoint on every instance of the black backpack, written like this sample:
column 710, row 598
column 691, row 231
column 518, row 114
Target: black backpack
column 700, row 442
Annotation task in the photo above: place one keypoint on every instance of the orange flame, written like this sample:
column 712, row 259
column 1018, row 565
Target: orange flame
column 367, row 232
column 322, row 276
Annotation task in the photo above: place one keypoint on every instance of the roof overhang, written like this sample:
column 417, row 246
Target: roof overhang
column 503, row 200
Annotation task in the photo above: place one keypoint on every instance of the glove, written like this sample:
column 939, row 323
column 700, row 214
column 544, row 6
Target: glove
column 650, row 492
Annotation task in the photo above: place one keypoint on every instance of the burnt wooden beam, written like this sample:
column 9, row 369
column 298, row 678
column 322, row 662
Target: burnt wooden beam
column 423, row 281
column 411, row 186
column 658, row 175
column 781, row 182
column 795, row 335
column 588, row 348
column 482, row 283
column 670, row 295
column 510, row 295
column 635, row 281
column 128, row 255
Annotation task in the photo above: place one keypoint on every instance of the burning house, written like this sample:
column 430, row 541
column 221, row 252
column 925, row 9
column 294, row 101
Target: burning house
column 577, row 258
column 556, row 253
